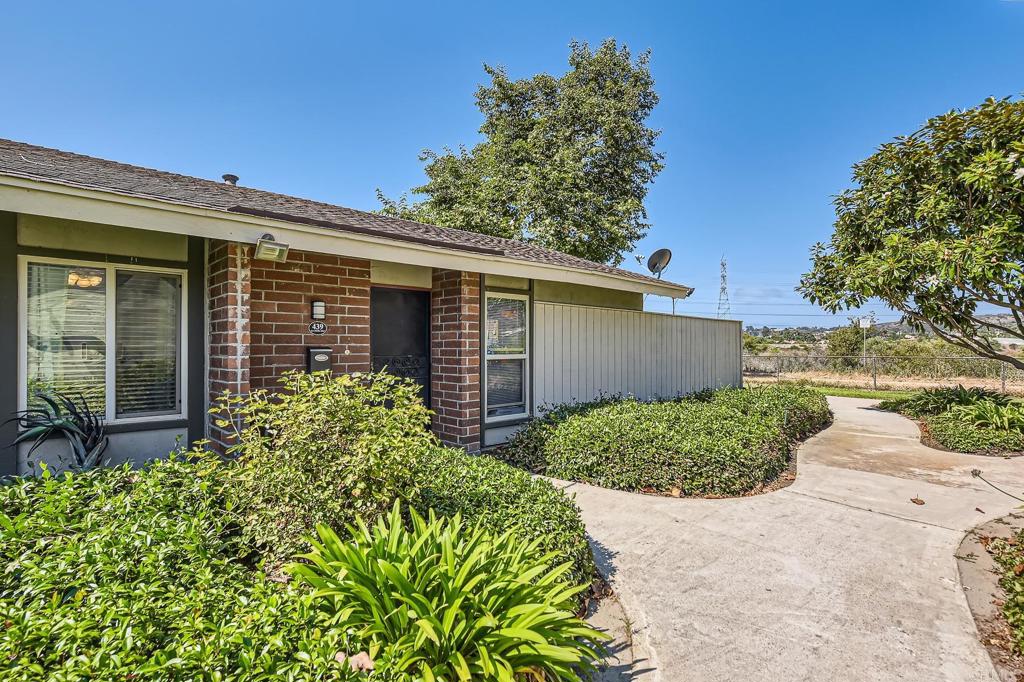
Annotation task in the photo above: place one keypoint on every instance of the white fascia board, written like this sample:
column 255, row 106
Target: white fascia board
column 55, row 200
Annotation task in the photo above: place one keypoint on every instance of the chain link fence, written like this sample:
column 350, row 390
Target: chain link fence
column 884, row 371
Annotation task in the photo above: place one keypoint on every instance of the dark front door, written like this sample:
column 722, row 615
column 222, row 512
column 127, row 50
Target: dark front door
column 400, row 334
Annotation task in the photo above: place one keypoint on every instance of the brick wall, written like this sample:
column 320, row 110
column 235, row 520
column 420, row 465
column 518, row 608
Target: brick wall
column 260, row 315
column 259, row 328
column 455, row 357
column 228, row 291
column 280, row 303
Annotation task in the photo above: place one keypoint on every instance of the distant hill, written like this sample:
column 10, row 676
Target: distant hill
column 901, row 328
column 895, row 328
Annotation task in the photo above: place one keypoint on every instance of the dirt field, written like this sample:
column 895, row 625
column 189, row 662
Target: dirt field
column 853, row 380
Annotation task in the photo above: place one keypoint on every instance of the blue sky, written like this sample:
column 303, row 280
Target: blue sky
column 764, row 105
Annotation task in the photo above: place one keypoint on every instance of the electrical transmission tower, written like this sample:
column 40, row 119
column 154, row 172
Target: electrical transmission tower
column 723, row 293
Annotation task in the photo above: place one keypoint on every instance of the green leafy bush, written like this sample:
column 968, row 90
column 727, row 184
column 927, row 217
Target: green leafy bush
column 990, row 415
column 970, row 420
column 484, row 490
column 323, row 450
column 448, row 602
column 933, row 401
column 723, row 443
column 526, row 449
column 952, row 432
column 120, row 574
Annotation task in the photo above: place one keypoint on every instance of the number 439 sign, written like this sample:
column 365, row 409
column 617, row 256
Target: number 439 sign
column 318, row 327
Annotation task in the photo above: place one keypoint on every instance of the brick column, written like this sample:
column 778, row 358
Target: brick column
column 455, row 357
column 228, row 293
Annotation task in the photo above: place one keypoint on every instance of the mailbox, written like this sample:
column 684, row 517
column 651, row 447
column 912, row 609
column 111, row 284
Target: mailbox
column 318, row 359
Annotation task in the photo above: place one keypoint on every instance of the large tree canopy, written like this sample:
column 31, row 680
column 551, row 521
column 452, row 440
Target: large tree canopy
column 565, row 161
column 934, row 227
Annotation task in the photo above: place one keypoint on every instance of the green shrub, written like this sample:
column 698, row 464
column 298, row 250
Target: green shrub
column 725, row 443
column 449, row 602
column 991, row 415
column 799, row 411
column 119, row 574
column 971, row 420
column 932, row 401
column 526, row 448
column 485, row 490
column 950, row 431
column 323, row 450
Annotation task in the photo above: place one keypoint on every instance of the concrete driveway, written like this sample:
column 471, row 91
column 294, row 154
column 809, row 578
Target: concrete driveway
column 837, row 577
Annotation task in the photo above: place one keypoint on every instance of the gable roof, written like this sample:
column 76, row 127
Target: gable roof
column 23, row 160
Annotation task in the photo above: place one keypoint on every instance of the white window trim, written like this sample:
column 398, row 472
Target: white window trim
column 110, row 358
column 505, row 356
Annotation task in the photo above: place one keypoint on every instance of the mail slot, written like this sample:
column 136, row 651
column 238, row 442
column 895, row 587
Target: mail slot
column 318, row 359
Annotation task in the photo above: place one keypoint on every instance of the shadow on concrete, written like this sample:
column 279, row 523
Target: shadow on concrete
column 620, row 656
column 604, row 558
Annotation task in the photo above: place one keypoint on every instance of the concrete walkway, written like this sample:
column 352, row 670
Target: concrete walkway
column 838, row 577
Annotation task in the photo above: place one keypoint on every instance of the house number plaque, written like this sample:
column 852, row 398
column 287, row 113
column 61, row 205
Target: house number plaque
column 317, row 327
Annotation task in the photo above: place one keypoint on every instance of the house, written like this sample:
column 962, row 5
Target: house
column 151, row 292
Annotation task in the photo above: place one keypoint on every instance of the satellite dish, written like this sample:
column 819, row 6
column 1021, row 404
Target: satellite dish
column 659, row 261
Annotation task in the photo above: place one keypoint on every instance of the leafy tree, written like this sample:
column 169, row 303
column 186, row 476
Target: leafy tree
column 565, row 162
column 754, row 345
column 846, row 344
column 934, row 227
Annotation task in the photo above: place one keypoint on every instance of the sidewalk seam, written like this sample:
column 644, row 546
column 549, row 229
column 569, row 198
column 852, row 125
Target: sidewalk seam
column 871, row 511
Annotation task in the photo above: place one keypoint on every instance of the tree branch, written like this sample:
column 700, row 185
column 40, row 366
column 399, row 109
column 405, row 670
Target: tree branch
column 966, row 342
column 988, row 299
column 993, row 325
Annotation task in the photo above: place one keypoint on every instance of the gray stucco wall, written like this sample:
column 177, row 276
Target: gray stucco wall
column 136, row 447
column 8, row 339
column 48, row 237
column 577, row 294
column 75, row 235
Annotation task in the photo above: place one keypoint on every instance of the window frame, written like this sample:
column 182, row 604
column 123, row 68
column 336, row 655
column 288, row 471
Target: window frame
column 525, row 357
column 110, row 358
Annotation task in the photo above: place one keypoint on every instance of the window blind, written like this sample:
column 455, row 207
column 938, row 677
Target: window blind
column 506, row 326
column 507, row 338
column 66, row 340
column 147, row 338
column 505, row 385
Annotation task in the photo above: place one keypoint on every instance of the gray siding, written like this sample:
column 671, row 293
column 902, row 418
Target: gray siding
column 581, row 352
column 136, row 447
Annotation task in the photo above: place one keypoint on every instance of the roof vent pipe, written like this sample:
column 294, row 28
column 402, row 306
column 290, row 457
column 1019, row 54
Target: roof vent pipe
column 230, row 178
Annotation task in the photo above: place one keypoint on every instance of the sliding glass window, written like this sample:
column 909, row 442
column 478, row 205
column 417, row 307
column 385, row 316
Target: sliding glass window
column 106, row 333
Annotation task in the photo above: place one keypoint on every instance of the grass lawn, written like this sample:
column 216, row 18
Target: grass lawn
column 846, row 391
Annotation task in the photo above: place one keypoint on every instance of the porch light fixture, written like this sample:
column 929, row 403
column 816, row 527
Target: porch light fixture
column 77, row 279
column 318, row 310
column 268, row 249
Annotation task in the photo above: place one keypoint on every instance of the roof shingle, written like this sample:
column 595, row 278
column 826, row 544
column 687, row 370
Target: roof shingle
column 52, row 165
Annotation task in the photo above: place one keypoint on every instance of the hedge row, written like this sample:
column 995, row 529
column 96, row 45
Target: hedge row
column 723, row 443
column 953, row 433
column 503, row 497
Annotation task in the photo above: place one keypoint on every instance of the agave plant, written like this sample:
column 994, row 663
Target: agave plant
column 70, row 417
column 445, row 602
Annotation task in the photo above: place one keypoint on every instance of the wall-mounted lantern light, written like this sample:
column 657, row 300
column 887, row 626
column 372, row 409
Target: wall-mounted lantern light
column 268, row 249
column 318, row 310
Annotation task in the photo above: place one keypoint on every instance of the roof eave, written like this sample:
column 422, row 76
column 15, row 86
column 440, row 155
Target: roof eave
column 73, row 201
